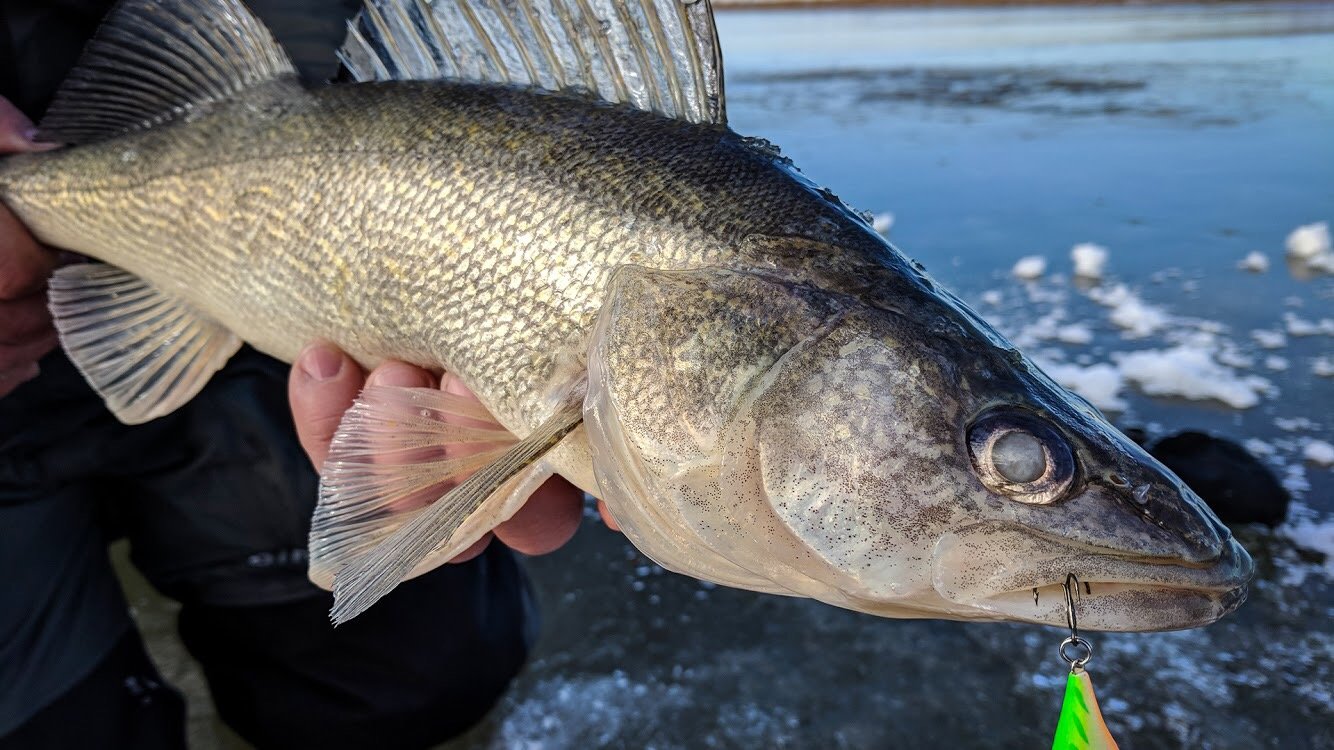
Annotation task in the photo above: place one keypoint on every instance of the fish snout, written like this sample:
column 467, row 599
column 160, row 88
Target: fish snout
column 1194, row 533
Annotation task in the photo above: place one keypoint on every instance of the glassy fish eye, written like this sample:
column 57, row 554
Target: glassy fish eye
column 1020, row 456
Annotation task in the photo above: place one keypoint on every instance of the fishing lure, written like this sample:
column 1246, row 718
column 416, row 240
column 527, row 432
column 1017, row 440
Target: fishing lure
column 1081, row 726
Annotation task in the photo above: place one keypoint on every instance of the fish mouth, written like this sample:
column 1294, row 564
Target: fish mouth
column 1013, row 573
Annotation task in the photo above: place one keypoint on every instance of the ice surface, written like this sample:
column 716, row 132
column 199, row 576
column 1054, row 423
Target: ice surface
column 1190, row 372
column 1030, row 267
column 1089, row 260
column 1255, row 262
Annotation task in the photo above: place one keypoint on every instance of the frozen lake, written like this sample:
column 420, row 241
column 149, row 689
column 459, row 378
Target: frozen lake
column 1178, row 138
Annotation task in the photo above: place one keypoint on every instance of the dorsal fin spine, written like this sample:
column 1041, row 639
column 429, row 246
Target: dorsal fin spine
column 559, row 80
column 492, row 56
column 153, row 60
column 533, row 76
column 673, row 85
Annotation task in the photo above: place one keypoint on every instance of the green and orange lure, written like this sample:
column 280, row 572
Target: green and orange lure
column 1081, row 726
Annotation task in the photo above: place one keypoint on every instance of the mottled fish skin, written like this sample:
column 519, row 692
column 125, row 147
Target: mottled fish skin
column 477, row 228
column 450, row 225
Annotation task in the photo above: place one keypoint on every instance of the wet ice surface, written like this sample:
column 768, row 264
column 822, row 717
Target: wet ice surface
column 1178, row 139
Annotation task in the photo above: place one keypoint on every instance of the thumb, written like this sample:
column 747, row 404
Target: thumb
column 17, row 133
column 323, row 384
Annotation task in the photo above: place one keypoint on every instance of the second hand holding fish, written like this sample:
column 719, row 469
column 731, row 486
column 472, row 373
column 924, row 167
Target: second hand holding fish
column 325, row 382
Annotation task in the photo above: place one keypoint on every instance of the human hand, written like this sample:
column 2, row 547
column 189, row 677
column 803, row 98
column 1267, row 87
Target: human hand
column 325, row 381
column 25, row 323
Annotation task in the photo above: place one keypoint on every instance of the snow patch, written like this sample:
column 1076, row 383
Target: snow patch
column 1030, row 267
column 1315, row 536
column 1135, row 316
column 1270, row 339
column 1318, row 452
column 1298, row 326
column 1190, row 372
column 1255, row 262
column 1100, row 384
column 1309, row 241
column 1089, row 260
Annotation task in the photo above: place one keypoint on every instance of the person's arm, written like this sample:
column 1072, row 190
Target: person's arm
column 325, row 381
column 25, row 324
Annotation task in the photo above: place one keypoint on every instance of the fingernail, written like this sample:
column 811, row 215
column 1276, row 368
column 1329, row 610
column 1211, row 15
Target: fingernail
column 321, row 362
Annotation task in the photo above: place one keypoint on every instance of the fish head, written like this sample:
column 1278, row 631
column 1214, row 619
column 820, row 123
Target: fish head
column 898, row 459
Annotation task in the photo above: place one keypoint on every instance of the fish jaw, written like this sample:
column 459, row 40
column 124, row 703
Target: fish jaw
column 1004, row 571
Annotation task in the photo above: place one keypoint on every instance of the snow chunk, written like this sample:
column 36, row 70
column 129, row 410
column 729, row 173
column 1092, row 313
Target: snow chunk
column 1101, row 384
column 1278, row 364
column 1258, row 448
column 1314, row 536
column 1129, row 312
column 1089, row 259
column 1294, row 424
column 1190, row 372
column 1030, row 267
column 1255, row 262
column 1270, row 339
column 1307, row 242
column 882, row 222
column 1319, row 453
column 1303, row 327
column 993, row 297
column 1137, row 318
column 1323, row 263
column 1323, row 367
column 1074, row 334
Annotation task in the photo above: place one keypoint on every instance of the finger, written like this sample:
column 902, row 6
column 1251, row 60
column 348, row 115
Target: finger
column 400, row 374
column 19, row 356
column 477, row 548
column 607, row 517
column 323, row 383
column 24, row 319
column 546, row 521
column 11, row 379
column 24, row 264
column 17, row 133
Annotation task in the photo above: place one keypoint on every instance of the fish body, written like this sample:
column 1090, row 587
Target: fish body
column 764, row 391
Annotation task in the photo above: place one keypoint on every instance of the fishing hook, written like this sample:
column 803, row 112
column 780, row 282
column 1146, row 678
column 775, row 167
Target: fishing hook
column 1072, row 592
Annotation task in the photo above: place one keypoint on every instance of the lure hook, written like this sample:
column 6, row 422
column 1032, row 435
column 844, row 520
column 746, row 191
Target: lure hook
column 1078, row 660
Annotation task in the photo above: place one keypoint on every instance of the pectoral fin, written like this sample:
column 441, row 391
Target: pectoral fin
column 396, row 451
column 454, row 521
column 145, row 352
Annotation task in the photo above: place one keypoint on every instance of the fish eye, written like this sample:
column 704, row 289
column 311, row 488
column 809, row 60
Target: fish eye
column 1020, row 456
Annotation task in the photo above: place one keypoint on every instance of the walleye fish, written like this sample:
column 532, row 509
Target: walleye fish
column 543, row 197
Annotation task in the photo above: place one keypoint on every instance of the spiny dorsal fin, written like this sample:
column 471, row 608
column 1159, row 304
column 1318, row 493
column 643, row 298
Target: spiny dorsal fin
column 153, row 60
column 658, row 55
column 146, row 353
